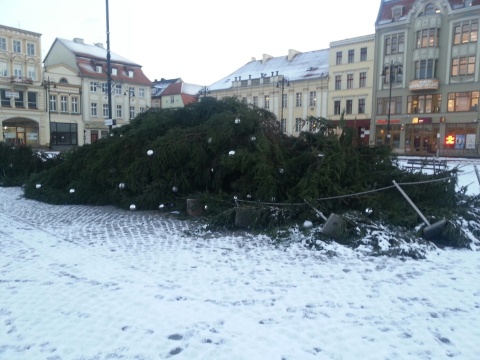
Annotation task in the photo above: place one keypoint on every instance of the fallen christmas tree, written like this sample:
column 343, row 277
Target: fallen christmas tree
column 227, row 154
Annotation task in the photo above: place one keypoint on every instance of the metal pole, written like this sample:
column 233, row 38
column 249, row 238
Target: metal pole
column 411, row 203
column 389, row 102
column 109, row 74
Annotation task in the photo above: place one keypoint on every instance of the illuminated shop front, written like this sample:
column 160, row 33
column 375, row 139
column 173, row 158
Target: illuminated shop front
column 20, row 132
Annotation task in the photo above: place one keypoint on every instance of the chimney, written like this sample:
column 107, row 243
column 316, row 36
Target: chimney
column 78, row 40
column 100, row 45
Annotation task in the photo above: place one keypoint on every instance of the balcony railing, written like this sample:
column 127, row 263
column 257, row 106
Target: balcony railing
column 20, row 80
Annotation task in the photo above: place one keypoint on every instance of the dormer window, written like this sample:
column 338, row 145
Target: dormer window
column 397, row 13
column 114, row 71
column 130, row 73
column 98, row 68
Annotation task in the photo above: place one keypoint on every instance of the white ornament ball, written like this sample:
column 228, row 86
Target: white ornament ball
column 133, row 207
column 72, row 191
column 150, row 152
column 38, row 186
column 307, row 224
column 231, row 153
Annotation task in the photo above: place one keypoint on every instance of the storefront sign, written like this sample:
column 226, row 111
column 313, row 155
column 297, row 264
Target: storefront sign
column 450, row 140
column 424, row 84
column 423, row 120
column 385, row 122
column 12, row 94
column 460, row 141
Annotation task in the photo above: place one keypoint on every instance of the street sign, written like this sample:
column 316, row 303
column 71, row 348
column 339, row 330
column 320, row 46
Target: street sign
column 12, row 94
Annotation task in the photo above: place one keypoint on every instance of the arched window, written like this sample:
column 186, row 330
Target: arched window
column 63, row 81
column 429, row 9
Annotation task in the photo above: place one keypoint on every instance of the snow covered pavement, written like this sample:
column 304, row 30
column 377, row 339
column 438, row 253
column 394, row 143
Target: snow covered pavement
column 80, row 282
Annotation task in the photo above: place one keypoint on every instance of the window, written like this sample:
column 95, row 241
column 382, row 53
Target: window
column 336, row 107
column 351, row 56
column 119, row 111
column 255, row 101
column 63, row 103
column 53, row 102
column 361, row 106
column 172, row 99
column 313, row 98
column 338, row 82
column 339, row 58
column 349, row 81
column 17, row 70
column 103, row 134
column 397, row 13
column 363, row 54
column 349, row 106
column 131, row 92
column 429, row 9
column 141, row 92
column 463, row 101
column 392, row 73
column 284, row 100
column 17, row 47
column 98, row 69
column 118, row 89
column 3, row 68
column 93, row 109
column 142, row 109
column 93, row 136
column 32, row 100
column 63, row 133
column 422, row 104
column 266, row 101
column 298, row 97
column 5, row 101
column 93, row 86
column 395, row 105
column 32, row 74
column 394, row 44
column 75, row 104
column 3, row 44
column 425, row 69
column 298, row 124
column 283, row 125
column 114, row 71
column 465, row 32
column 132, row 112
column 427, row 38
column 19, row 101
column 362, row 80
column 462, row 66
column 105, row 111
column 130, row 73
column 30, row 49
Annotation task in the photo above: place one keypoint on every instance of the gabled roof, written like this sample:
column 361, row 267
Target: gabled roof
column 182, row 89
column 296, row 66
column 98, row 52
column 159, row 86
column 386, row 8
column 88, row 57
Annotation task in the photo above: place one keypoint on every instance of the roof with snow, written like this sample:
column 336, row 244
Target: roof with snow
column 295, row 66
column 385, row 14
column 95, row 51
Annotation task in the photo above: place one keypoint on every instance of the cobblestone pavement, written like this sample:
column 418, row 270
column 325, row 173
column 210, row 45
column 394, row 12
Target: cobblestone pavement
column 82, row 282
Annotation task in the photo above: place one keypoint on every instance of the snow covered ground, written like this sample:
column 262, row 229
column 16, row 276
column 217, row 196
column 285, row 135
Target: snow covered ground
column 80, row 282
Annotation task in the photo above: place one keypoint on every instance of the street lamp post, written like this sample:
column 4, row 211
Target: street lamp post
column 394, row 69
column 282, row 83
column 46, row 85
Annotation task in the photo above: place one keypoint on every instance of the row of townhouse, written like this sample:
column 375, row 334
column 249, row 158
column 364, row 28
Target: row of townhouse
column 414, row 84
column 65, row 102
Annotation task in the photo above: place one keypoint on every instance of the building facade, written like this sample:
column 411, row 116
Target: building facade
column 22, row 96
column 130, row 90
column 293, row 87
column 350, row 84
column 427, row 72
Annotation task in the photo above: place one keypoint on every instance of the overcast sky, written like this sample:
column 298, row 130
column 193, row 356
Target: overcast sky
column 198, row 41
